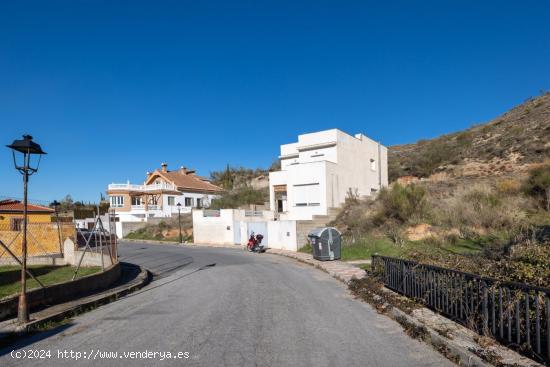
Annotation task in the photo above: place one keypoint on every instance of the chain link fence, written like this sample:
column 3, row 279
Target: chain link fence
column 43, row 238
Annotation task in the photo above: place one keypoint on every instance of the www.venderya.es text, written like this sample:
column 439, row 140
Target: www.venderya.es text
column 95, row 354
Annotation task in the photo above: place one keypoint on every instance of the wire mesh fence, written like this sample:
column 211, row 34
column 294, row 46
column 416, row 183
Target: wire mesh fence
column 518, row 315
column 43, row 238
column 100, row 240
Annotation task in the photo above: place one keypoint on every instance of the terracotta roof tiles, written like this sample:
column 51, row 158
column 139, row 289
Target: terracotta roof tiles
column 186, row 181
column 17, row 206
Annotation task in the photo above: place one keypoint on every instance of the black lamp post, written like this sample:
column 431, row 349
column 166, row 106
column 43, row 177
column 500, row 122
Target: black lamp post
column 179, row 221
column 26, row 147
column 56, row 205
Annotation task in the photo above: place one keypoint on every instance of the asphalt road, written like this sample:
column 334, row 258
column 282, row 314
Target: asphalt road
column 247, row 310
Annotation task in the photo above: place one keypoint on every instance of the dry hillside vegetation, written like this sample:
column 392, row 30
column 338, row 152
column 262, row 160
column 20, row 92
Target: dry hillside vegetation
column 166, row 230
column 482, row 205
column 509, row 143
column 497, row 227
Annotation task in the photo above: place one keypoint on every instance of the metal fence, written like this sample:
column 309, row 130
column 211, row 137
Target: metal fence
column 515, row 314
column 43, row 238
column 210, row 213
column 101, row 239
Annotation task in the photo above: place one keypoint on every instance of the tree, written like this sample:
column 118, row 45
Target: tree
column 227, row 178
column 67, row 203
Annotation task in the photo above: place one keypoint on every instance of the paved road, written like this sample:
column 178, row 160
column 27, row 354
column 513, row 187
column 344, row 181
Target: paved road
column 247, row 310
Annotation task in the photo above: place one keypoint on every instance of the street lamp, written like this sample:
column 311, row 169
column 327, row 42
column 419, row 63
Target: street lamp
column 56, row 205
column 26, row 147
column 179, row 221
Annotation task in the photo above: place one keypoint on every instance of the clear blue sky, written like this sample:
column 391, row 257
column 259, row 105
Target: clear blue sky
column 113, row 88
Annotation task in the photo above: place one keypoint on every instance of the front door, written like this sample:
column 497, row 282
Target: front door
column 280, row 197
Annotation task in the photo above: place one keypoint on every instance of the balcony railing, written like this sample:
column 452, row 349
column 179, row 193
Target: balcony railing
column 132, row 187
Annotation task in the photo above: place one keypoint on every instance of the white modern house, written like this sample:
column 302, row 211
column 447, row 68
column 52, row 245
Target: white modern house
column 319, row 170
column 160, row 194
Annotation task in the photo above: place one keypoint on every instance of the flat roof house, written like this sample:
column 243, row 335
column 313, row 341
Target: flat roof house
column 159, row 195
column 321, row 168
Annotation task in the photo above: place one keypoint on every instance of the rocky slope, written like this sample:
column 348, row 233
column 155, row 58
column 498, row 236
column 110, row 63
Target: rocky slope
column 509, row 143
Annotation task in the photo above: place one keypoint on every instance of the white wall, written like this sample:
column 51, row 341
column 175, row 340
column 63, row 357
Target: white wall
column 282, row 235
column 214, row 230
column 173, row 209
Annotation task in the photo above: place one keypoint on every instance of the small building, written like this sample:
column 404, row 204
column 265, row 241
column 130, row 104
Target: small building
column 44, row 234
column 11, row 214
column 160, row 194
column 320, row 170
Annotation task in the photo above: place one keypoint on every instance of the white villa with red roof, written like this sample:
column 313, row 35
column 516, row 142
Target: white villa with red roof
column 160, row 194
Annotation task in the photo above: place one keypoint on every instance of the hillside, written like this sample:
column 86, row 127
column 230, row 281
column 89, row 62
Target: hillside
column 485, row 207
column 509, row 143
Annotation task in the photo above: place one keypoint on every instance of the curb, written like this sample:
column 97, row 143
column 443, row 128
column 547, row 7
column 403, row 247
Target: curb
column 462, row 355
column 104, row 298
column 152, row 242
column 339, row 270
column 466, row 358
column 177, row 244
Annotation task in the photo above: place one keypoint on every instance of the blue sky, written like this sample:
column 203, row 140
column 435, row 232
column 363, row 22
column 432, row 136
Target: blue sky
column 113, row 88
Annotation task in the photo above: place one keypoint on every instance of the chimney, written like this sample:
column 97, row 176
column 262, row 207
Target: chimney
column 164, row 167
column 183, row 170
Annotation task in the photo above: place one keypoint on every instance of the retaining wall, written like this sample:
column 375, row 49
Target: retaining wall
column 62, row 292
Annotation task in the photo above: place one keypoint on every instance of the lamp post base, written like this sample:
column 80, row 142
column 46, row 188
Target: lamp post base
column 22, row 310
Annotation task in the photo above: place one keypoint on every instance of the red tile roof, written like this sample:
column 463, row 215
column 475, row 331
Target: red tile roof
column 185, row 180
column 17, row 206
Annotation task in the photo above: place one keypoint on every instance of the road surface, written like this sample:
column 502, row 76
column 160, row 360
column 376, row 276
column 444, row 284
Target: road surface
column 246, row 310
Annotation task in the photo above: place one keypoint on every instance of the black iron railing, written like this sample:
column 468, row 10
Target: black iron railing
column 516, row 314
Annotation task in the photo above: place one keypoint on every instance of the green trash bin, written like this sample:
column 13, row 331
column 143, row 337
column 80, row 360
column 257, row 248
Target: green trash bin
column 326, row 243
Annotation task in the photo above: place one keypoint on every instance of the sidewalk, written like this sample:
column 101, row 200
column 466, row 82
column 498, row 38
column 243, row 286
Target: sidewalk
column 338, row 269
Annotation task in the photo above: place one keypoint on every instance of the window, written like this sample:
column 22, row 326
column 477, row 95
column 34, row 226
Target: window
column 307, row 195
column 171, row 201
column 372, row 165
column 199, row 203
column 136, row 200
column 16, row 224
column 188, row 201
column 117, row 201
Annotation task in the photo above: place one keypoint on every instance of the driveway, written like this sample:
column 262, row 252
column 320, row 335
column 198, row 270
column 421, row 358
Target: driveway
column 227, row 307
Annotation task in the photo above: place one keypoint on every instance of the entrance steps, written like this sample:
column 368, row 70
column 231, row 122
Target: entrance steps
column 303, row 227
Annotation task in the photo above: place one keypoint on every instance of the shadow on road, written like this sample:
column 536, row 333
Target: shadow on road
column 14, row 342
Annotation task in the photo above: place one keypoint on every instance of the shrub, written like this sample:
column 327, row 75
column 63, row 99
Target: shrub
column 240, row 197
column 402, row 204
column 537, row 185
column 480, row 207
column 508, row 186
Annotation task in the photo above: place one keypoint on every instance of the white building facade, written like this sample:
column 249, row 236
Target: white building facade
column 320, row 170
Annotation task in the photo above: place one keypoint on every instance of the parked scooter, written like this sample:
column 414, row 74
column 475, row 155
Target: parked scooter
column 255, row 243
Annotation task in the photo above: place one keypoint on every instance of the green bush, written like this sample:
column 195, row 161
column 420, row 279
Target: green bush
column 537, row 185
column 239, row 197
column 402, row 204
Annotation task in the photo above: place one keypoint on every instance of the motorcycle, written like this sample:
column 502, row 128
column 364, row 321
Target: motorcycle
column 255, row 243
